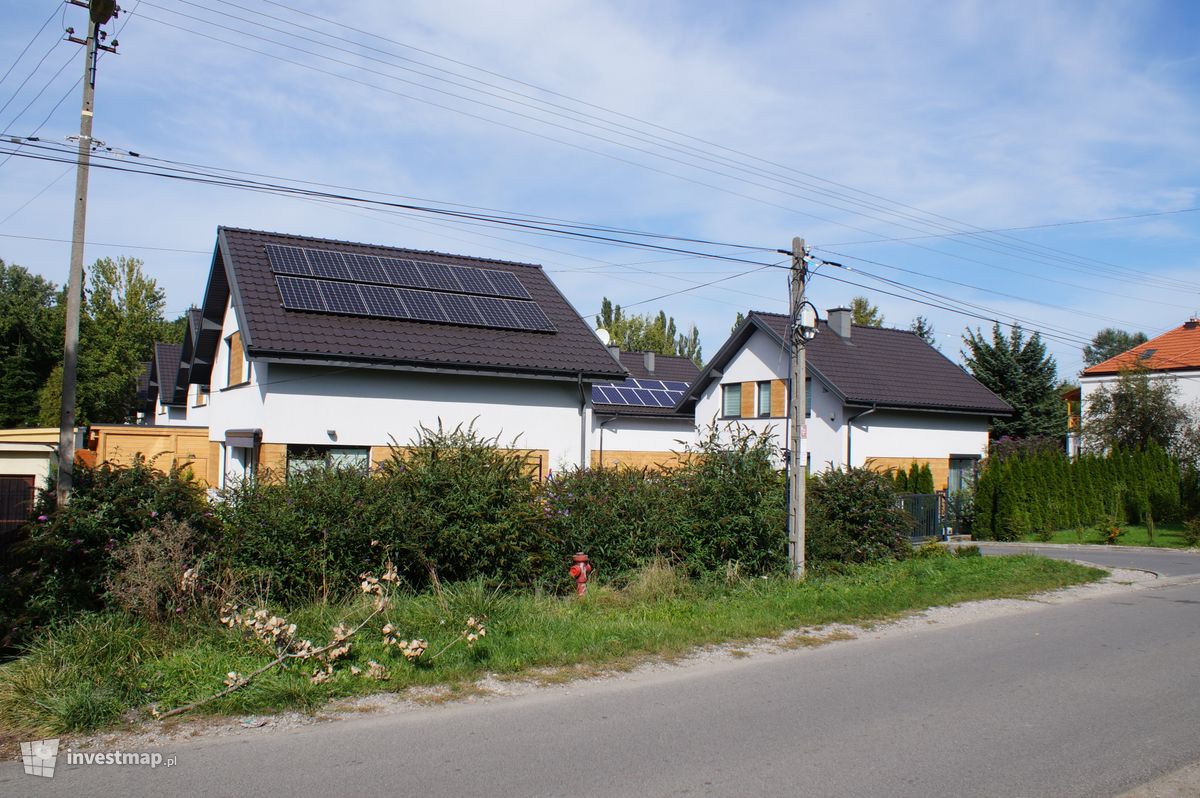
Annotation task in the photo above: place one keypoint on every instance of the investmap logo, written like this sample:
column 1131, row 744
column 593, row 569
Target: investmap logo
column 39, row 757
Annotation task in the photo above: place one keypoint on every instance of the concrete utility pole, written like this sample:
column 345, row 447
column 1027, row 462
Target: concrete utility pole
column 797, row 472
column 99, row 12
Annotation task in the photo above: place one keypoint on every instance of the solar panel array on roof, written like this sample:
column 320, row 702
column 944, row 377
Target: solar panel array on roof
column 390, row 302
column 639, row 393
column 400, row 272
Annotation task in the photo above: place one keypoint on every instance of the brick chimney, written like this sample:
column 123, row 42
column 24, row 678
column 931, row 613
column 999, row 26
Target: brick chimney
column 839, row 321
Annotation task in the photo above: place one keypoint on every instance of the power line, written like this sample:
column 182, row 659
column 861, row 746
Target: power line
column 291, row 46
column 485, row 219
column 974, row 232
column 24, row 50
column 1101, row 220
column 972, row 287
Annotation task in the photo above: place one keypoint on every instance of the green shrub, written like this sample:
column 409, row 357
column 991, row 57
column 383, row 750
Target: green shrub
column 451, row 506
column 1036, row 489
column 61, row 561
column 853, row 518
column 622, row 517
column 1191, row 531
column 304, row 538
column 734, row 503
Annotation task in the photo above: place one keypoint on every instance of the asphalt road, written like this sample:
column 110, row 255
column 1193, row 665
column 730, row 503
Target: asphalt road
column 1088, row 698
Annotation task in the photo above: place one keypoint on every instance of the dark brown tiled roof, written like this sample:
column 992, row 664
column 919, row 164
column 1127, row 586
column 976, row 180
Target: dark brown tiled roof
column 877, row 366
column 166, row 371
column 241, row 266
column 666, row 367
column 896, row 368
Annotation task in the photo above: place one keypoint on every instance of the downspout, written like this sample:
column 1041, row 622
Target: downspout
column 850, row 430
column 583, row 430
column 602, row 423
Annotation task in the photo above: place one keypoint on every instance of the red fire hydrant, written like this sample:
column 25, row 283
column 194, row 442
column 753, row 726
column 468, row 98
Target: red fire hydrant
column 580, row 568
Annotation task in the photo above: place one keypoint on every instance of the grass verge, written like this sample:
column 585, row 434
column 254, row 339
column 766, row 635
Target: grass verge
column 101, row 669
column 1166, row 536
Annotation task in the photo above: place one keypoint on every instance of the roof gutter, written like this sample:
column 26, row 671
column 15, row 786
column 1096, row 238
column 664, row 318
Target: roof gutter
column 850, row 431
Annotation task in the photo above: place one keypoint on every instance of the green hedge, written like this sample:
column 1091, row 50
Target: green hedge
column 1040, row 491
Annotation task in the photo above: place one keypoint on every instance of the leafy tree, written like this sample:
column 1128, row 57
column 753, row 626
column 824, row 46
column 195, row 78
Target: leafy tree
column 741, row 317
column 648, row 333
column 1021, row 373
column 863, row 313
column 1110, row 342
column 924, row 330
column 30, row 342
column 1137, row 411
column 121, row 320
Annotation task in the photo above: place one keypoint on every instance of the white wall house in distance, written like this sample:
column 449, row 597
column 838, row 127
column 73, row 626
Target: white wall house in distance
column 876, row 397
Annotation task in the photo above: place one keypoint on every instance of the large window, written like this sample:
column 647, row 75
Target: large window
column 305, row 458
column 731, row 400
column 764, row 400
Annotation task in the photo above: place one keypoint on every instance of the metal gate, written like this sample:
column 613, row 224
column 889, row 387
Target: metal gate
column 934, row 515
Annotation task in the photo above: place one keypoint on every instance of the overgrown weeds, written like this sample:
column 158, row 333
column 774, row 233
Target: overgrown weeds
column 93, row 672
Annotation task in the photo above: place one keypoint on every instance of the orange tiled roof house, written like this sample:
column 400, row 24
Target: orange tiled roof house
column 1174, row 355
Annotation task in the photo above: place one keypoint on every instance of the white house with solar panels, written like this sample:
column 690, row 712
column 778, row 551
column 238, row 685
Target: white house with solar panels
column 317, row 351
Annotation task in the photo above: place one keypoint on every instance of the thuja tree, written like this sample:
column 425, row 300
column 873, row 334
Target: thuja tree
column 1041, row 490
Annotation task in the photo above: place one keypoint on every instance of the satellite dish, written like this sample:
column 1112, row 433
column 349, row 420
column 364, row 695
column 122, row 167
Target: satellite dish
column 604, row 337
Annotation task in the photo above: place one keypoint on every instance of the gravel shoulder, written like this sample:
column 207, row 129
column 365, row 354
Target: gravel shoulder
column 565, row 680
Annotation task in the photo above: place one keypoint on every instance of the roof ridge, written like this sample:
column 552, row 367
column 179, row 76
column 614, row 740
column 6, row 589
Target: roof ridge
column 366, row 245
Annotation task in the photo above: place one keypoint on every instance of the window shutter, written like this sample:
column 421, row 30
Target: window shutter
column 236, row 358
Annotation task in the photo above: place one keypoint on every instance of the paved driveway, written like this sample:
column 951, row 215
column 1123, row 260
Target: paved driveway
column 1165, row 562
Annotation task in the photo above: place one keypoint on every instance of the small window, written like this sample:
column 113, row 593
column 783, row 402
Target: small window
column 731, row 400
column 764, row 400
column 201, row 395
column 307, row 458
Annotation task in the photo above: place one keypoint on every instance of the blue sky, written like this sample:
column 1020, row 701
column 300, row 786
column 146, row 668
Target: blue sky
column 846, row 123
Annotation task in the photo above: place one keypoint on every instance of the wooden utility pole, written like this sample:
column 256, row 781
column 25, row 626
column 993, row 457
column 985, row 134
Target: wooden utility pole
column 99, row 12
column 797, row 470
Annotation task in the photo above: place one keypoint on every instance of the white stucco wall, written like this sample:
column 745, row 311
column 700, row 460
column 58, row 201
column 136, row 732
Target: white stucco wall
column 1187, row 384
column 672, row 434
column 917, row 435
column 368, row 407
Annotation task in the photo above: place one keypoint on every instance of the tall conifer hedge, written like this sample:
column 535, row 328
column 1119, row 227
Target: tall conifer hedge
column 1041, row 491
